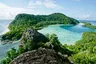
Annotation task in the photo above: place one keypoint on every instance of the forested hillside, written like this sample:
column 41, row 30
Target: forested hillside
column 24, row 21
column 37, row 21
column 85, row 49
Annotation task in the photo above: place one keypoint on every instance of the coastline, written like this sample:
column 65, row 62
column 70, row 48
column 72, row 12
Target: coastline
column 4, row 32
column 6, row 45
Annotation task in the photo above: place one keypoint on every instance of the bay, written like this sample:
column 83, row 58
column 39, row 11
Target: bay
column 67, row 34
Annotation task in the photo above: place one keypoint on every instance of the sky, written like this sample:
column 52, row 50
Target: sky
column 78, row 9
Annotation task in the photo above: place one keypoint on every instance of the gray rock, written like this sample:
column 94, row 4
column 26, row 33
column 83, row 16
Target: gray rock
column 34, row 35
column 41, row 56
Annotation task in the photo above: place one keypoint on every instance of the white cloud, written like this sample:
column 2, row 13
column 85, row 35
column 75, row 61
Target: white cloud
column 86, row 16
column 44, row 3
column 7, row 12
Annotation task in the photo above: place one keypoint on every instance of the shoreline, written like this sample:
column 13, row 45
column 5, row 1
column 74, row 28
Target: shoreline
column 4, row 32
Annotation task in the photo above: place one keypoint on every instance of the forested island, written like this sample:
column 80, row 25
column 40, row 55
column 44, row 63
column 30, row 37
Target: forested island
column 25, row 26
column 89, row 25
column 24, row 21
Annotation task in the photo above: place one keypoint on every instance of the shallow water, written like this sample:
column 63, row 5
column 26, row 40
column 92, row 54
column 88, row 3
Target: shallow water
column 67, row 34
column 5, row 48
column 3, row 29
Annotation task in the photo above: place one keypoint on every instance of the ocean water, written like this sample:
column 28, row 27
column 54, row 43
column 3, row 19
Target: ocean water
column 67, row 34
column 93, row 22
column 3, row 26
column 5, row 48
column 3, row 29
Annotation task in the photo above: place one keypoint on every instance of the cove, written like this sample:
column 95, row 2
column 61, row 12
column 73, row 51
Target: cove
column 67, row 34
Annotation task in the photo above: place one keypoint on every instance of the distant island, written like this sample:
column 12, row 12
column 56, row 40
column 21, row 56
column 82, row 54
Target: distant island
column 89, row 25
column 24, row 21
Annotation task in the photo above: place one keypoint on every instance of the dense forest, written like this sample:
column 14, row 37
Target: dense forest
column 84, row 49
column 37, row 21
column 24, row 21
column 33, row 45
column 89, row 25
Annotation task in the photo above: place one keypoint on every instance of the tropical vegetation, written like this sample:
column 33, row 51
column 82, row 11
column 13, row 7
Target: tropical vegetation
column 89, row 25
column 24, row 21
column 82, row 52
column 84, row 49
column 30, row 45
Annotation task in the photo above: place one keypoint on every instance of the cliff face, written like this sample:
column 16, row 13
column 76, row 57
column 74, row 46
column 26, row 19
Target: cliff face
column 41, row 56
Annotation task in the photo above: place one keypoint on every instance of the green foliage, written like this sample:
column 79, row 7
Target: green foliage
column 84, row 58
column 94, row 49
column 84, row 49
column 10, row 55
column 6, row 61
column 3, row 61
column 20, row 50
column 27, row 20
column 12, row 35
column 30, row 45
column 24, row 21
column 89, row 25
column 56, row 45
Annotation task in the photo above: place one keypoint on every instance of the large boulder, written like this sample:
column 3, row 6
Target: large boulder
column 34, row 35
column 41, row 56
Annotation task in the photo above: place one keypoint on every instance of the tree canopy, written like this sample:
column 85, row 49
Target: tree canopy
column 24, row 21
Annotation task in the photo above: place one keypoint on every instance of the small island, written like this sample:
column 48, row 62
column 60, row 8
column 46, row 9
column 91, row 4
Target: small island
column 24, row 21
column 89, row 25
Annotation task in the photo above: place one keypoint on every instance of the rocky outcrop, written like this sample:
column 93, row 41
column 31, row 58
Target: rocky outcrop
column 34, row 35
column 41, row 56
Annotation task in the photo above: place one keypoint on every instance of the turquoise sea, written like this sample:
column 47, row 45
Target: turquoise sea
column 67, row 34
